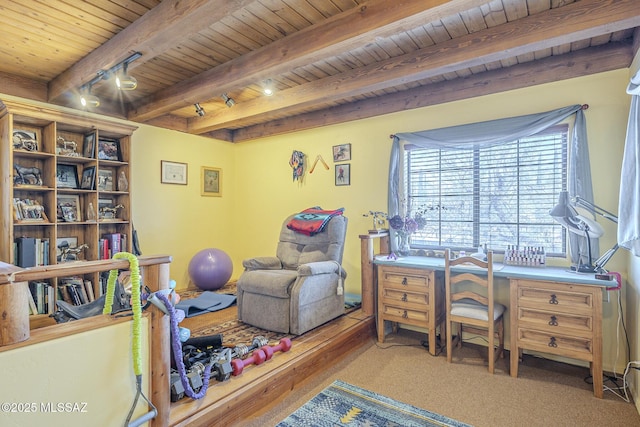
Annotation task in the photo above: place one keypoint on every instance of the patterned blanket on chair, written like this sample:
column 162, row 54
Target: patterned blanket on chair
column 313, row 220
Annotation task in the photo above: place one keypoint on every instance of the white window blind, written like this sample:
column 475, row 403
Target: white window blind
column 497, row 196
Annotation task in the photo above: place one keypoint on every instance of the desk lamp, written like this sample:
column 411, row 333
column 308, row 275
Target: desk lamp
column 578, row 220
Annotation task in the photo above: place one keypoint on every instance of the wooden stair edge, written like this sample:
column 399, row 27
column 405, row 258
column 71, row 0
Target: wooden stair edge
column 274, row 385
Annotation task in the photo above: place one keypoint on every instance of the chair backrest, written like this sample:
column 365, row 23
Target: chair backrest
column 478, row 280
column 297, row 248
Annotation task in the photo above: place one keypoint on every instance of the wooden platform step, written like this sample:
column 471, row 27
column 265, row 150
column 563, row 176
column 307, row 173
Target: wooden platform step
column 231, row 401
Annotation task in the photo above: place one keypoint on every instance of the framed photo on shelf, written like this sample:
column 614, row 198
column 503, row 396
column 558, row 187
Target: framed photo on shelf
column 173, row 172
column 89, row 145
column 88, row 178
column 108, row 149
column 343, row 174
column 211, row 181
column 69, row 208
column 105, row 180
column 342, row 152
column 65, row 242
column 67, row 176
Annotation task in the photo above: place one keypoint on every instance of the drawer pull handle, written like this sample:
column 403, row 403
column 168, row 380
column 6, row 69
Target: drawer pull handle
column 405, row 315
column 554, row 299
column 553, row 321
column 404, row 281
column 404, row 297
column 552, row 342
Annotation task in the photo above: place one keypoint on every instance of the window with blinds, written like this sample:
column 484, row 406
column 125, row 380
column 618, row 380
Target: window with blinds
column 497, row 196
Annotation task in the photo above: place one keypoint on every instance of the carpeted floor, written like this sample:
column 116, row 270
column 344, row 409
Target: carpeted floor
column 545, row 393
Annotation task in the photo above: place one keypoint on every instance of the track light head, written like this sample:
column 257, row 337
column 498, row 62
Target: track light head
column 267, row 89
column 228, row 100
column 126, row 82
column 199, row 110
column 88, row 100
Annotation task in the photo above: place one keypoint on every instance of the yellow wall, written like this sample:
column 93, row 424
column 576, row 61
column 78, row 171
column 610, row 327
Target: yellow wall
column 95, row 388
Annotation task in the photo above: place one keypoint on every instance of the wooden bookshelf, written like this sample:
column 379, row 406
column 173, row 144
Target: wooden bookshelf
column 60, row 171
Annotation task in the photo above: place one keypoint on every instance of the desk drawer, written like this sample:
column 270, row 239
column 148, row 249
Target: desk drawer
column 555, row 299
column 405, row 278
column 569, row 346
column 555, row 322
column 400, row 297
column 401, row 314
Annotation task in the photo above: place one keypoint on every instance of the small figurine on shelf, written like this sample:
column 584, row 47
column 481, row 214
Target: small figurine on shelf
column 379, row 219
column 27, row 176
column 123, row 184
column 66, row 148
column 67, row 253
column 109, row 212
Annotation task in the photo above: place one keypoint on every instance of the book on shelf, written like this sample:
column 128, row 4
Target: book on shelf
column 40, row 296
column 31, row 251
column 88, row 286
column 75, row 288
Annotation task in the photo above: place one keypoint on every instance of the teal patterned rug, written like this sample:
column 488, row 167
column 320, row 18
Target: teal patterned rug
column 343, row 404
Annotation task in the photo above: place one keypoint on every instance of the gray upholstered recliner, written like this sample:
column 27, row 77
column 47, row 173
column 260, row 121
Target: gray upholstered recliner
column 298, row 289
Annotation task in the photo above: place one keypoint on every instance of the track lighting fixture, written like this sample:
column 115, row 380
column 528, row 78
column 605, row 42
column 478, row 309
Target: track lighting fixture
column 87, row 99
column 199, row 110
column 267, row 89
column 123, row 81
column 228, row 100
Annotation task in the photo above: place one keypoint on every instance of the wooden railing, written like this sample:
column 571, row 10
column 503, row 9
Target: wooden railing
column 14, row 316
column 368, row 269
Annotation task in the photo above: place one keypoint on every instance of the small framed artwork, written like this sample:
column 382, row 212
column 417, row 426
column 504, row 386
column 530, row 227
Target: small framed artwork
column 108, row 149
column 105, row 180
column 64, row 243
column 69, row 208
column 67, row 176
column 88, row 178
column 173, row 172
column 343, row 174
column 211, row 181
column 342, row 152
column 89, row 150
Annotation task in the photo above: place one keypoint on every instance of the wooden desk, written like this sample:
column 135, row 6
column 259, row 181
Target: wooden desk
column 552, row 310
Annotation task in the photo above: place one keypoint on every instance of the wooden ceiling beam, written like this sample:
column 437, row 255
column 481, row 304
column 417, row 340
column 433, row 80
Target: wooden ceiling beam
column 345, row 31
column 574, row 22
column 153, row 34
column 572, row 65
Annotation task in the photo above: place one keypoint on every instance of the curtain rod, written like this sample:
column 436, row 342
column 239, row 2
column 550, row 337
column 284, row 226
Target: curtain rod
column 583, row 107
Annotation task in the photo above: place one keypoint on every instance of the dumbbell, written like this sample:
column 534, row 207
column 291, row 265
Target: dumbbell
column 256, row 358
column 284, row 345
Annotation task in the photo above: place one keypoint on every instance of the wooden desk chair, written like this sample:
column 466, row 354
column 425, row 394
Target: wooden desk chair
column 469, row 299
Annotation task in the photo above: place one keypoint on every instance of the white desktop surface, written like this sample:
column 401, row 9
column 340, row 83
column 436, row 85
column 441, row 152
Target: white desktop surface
column 555, row 274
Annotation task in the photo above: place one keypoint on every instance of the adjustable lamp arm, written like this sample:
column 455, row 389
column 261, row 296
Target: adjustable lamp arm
column 596, row 209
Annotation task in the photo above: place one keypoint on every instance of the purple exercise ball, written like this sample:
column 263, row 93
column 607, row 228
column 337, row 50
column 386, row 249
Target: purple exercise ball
column 210, row 269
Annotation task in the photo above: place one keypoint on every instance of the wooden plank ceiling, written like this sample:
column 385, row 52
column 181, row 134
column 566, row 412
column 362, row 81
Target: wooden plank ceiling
column 329, row 61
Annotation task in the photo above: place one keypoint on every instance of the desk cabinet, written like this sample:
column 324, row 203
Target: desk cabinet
column 410, row 296
column 559, row 318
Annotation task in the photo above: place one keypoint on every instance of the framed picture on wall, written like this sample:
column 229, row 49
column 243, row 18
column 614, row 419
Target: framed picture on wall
column 343, row 174
column 341, row 152
column 211, row 181
column 173, row 172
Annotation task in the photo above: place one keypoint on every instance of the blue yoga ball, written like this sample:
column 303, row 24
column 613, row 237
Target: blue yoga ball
column 210, row 269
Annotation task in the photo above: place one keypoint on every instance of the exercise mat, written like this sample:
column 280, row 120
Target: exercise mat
column 206, row 302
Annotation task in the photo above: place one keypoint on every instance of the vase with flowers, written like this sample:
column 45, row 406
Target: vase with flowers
column 404, row 226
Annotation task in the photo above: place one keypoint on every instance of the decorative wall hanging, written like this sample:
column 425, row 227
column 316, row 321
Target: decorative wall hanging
column 318, row 157
column 297, row 164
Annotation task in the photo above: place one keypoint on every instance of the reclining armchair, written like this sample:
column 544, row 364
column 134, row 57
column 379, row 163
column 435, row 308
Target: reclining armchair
column 301, row 287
